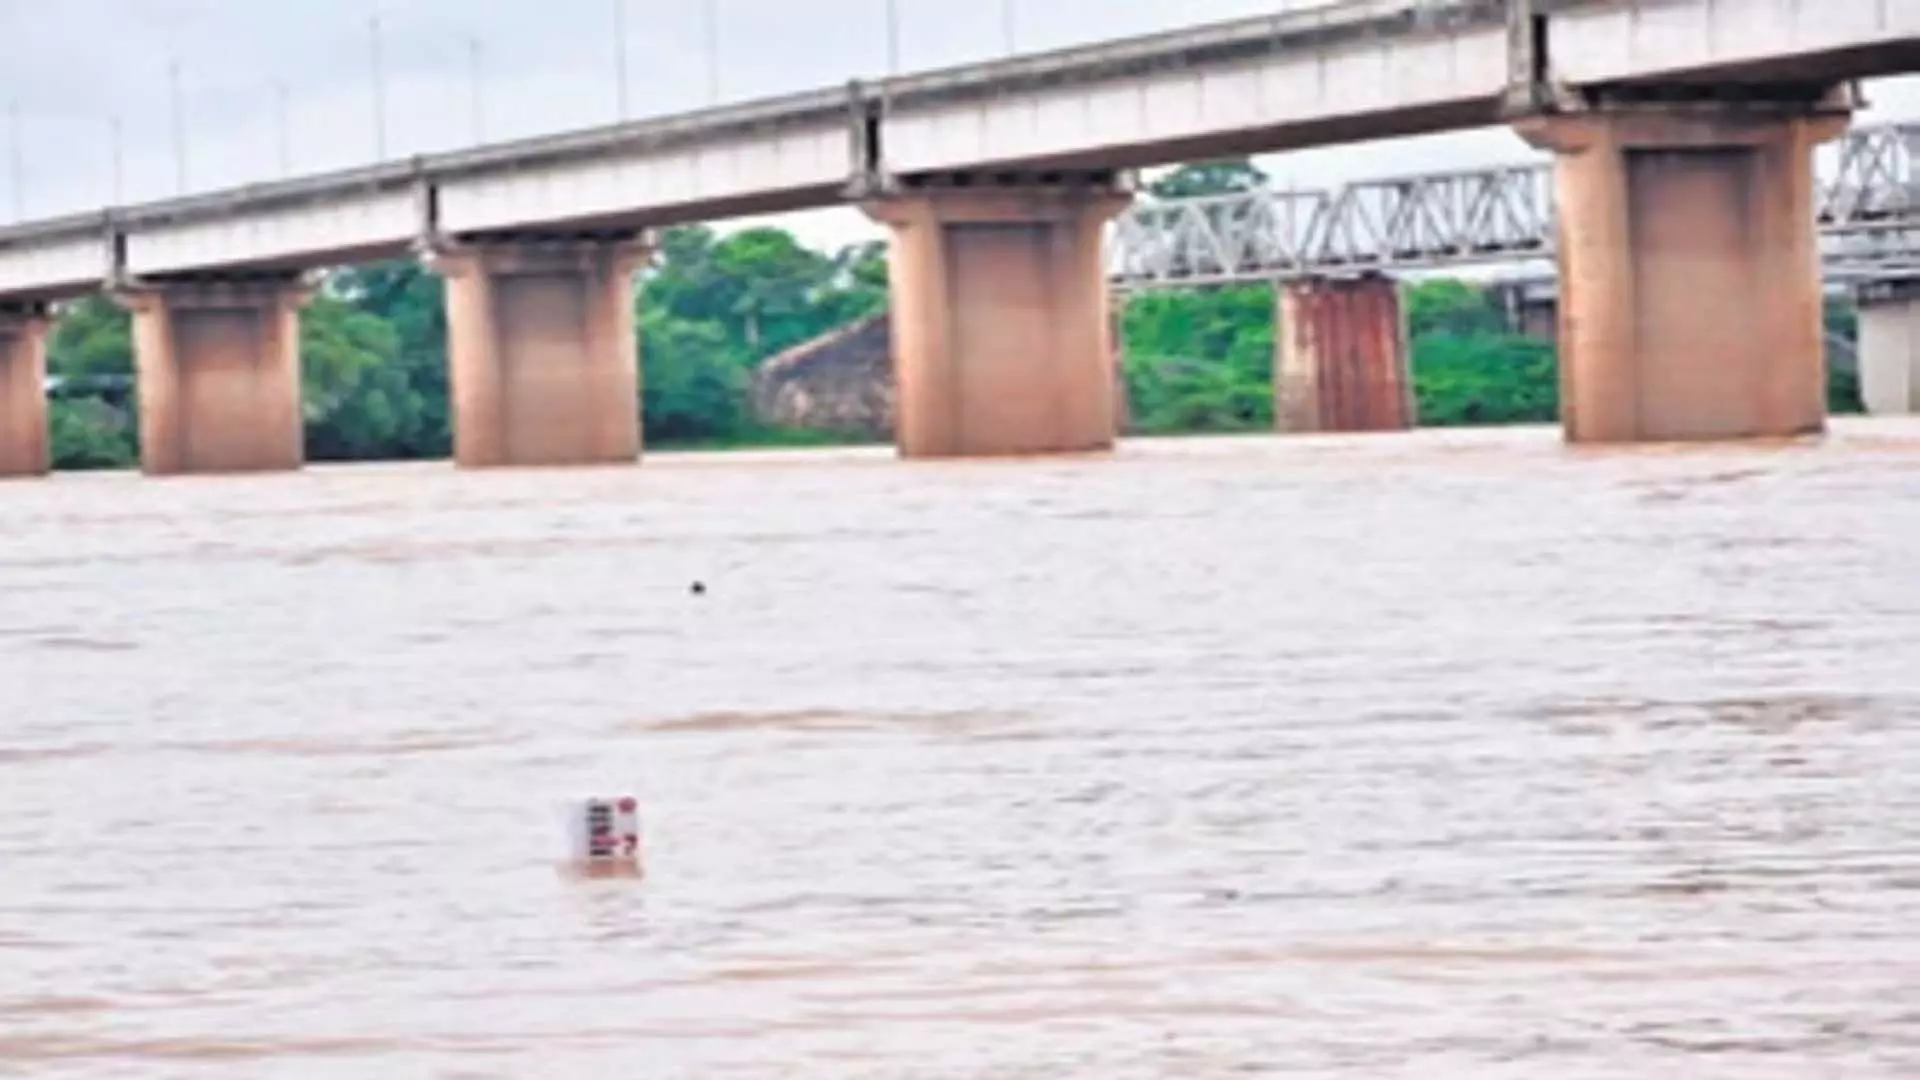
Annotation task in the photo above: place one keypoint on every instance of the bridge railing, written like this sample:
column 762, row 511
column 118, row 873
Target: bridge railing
column 1457, row 216
column 1401, row 223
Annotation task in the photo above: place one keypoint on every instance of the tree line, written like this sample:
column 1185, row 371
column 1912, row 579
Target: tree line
column 712, row 308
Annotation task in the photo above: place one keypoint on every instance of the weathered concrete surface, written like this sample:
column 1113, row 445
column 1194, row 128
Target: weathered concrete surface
column 23, row 399
column 841, row 382
column 1890, row 348
column 1690, row 303
column 1340, row 357
column 1001, row 318
column 545, row 365
column 218, row 364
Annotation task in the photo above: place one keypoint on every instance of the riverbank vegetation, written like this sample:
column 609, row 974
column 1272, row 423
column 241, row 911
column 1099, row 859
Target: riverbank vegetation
column 374, row 371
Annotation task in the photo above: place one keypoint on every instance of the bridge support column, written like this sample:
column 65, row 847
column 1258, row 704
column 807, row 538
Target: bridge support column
column 544, row 355
column 1690, row 303
column 1890, row 348
column 1000, row 317
column 218, row 364
column 1539, row 320
column 1532, row 311
column 23, row 394
column 1340, row 356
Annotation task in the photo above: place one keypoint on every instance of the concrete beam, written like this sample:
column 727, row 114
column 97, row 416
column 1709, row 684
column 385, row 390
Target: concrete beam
column 1690, row 300
column 544, row 353
column 1001, row 317
column 218, row 364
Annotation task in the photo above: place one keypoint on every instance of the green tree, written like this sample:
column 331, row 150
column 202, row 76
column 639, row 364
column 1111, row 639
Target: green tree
column 1172, row 395
column 353, row 390
column 87, row 433
column 1209, row 178
column 776, row 287
column 693, row 385
column 861, row 270
column 1453, row 308
column 1200, row 361
column 92, row 336
column 1468, row 367
column 90, row 339
column 399, row 407
column 712, row 308
column 685, row 282
column 1484, row 379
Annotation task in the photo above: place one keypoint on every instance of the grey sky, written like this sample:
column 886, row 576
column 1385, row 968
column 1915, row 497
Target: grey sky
column 74, row 67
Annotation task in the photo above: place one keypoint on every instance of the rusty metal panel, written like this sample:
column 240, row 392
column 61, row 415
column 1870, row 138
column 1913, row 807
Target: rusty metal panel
column 1342, row 357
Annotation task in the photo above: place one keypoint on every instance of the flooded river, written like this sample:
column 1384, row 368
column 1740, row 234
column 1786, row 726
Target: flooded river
column 1439, row 756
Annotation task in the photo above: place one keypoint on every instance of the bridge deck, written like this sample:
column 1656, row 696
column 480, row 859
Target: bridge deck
column 1340, row 72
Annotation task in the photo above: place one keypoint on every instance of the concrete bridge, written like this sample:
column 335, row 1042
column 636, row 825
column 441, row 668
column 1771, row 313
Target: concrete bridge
column 1684, row 132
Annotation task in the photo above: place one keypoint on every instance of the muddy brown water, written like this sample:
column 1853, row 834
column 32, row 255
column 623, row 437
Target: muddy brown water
column 1444, row 755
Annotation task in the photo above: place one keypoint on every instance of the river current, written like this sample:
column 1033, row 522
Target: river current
column 1447, row 755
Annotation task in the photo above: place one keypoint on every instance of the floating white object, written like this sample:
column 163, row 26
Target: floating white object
column 606, row 834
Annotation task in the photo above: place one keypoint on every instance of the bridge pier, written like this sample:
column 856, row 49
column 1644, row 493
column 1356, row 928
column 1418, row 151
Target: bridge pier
column 1340, row 356
column 1532, row 311
column 544, row 356
column 1539, row 320
column 218, row 363
column 1690, row 304
column 1890, row 347
column 23, row 396
column 1001, row 317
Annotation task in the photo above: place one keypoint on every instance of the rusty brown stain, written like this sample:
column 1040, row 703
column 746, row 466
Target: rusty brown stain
column 1353, row 338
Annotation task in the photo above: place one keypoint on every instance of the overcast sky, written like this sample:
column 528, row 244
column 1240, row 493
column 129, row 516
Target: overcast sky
column 75, row 68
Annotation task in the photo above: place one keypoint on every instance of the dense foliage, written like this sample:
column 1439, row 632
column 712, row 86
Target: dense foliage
column 374, row 371
column 1204, row 361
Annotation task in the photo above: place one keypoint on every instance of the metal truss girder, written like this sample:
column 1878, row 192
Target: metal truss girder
column 1432, row 221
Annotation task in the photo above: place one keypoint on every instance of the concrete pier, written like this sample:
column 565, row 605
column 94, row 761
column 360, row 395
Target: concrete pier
column 218, row 363
column 545, row 360
column 1890, row 347
column 1690, row 304
column 1532, row 309
column 23, row 398
column 1341, row 357
column 1002, row 339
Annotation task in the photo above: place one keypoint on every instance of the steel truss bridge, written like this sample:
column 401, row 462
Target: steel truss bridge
column 1869, row 216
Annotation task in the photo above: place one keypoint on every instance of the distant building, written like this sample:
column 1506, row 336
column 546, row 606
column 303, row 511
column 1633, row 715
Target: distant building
column 841, row 382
